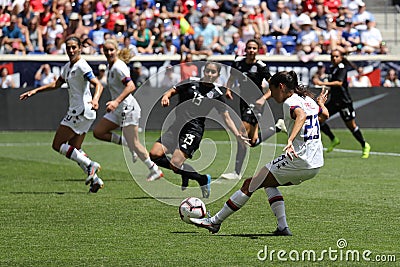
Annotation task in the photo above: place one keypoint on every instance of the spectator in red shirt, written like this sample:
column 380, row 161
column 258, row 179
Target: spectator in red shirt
column 113, row 16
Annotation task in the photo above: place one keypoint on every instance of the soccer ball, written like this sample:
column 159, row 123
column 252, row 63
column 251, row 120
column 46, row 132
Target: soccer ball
column 192, row 207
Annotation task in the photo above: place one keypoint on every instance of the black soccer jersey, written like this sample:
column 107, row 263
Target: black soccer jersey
column 196, row 100
column 340, row 94
column 256, row 72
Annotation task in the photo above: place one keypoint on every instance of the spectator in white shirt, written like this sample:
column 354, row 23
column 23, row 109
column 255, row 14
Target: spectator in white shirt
column 371, row 39
column 360, row 80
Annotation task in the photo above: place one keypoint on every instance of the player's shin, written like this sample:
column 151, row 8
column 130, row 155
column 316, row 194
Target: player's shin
column 235, row 202
column 277, row 204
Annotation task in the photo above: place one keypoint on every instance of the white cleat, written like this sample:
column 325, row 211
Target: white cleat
column 96, row 184
column 231, row 176
column 134, row 157
column 280, row 126
column 207, row 224
column 155, row 174
column 92, row 169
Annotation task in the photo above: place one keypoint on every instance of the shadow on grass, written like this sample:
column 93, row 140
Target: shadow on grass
column 45, row 193
column 251, row 236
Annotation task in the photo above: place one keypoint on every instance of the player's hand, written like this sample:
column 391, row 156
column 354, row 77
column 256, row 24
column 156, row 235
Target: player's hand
column 323, row 97
column 289, row 150
column 111, row 105
column 95, row 104
column 228, row 94
column 27, row 94
column 165, row 101
column 243, row 139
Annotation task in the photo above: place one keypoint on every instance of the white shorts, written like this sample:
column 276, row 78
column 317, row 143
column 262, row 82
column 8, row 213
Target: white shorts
column 287, row 171
column 124, row 118
column 79, row 124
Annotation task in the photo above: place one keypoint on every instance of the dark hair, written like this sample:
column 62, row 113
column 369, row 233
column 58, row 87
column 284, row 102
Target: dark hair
column 345, row 61
column 254, row 41
column 74, row 38
column 289, row 79
column 213, row 63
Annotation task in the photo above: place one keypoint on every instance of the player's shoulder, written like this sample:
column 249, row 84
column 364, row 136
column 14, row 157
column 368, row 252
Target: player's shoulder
column 239, row 59
column 261, row 63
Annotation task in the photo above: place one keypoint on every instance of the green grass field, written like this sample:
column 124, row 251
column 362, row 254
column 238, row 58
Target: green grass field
column 48, row 218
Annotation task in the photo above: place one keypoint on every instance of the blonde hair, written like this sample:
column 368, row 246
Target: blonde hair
column 124, row 54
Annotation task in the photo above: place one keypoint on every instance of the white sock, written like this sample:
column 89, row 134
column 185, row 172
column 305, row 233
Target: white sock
column 149, row 163
column 74, row 154
column 118, row 139
column 277, row 204
column 83, row 167
column 235, row 202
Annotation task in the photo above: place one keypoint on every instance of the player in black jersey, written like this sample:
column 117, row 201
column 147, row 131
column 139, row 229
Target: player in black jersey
column 197, row 97
column 340, row 101
column 247, row 71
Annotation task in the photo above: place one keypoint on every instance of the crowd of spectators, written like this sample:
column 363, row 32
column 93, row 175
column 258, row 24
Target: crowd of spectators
column 303, row 27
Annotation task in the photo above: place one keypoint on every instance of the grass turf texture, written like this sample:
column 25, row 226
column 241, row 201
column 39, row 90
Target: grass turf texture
column 48, row 219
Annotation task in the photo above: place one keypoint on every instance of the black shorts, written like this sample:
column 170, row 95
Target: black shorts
column 347, row 112
column 187, row 140
column 249, row 114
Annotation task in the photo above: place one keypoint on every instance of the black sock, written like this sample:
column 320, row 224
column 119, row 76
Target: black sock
column 327, row 130
column 162, row 161
column 187, row 172
column 358, row 135
column 240, row 155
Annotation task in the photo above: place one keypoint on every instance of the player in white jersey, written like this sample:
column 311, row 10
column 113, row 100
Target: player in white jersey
column 301, row 161
column 123, row 110
column 81, row 111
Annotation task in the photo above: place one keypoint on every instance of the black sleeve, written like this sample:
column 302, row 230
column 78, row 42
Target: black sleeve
column 265, row 73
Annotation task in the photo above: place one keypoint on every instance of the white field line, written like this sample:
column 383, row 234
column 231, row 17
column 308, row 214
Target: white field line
column 205, row 141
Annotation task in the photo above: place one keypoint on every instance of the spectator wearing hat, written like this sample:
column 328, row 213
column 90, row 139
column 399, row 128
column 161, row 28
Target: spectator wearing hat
column 350, row 37
column 74, row 26
column 139, row 77
column 192, row 15
column 352, row 6
column 320, row 75
column 102, row 75
column 119, row 31
column 360, row 18
column 97, row 34
column 144, row 38
column 371, row 39
column 113, row 16
column 227, row 32
column 308, row 39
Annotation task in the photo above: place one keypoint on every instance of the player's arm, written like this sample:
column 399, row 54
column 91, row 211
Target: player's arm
column 299, row 116
column 51, row 86
column 321, row 99
column 167, row 96
column 232, row 127
column 230, row 83
column 129, row 88
column 98, row 89
column 261, row 101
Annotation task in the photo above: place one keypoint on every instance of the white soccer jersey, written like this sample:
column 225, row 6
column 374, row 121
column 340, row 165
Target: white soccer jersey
column 307, row 143
column 117, row 77
column 77, row 78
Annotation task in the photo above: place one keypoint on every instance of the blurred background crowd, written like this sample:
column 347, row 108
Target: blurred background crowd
column 200, row 27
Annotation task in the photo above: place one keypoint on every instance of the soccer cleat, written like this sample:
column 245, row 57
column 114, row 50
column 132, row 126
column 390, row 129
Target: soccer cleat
column 365, row 151
column 332, row 145
column 284, row 232
column 96, row 185
column 207, row 224
column 155, row 174
column 280, row 126
column 92, row 169
column 206, row 189
column 134, row 157
column 231, row 176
